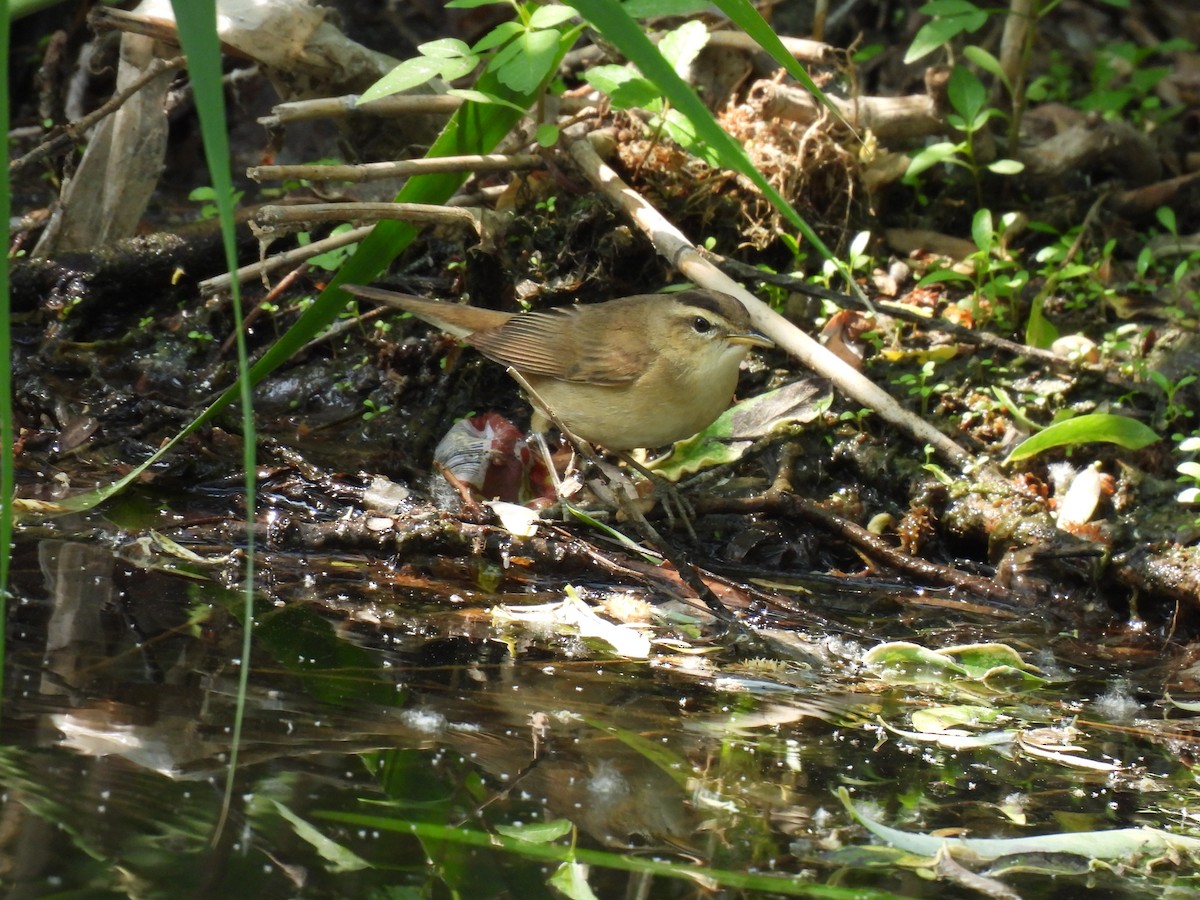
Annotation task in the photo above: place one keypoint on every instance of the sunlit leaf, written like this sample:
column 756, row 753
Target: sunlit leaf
column 527, row 60
column 340, row 858
column 409, row 74
column 1127, row 844
column 571, row 880
column 549, row 16
column 1104, row 428
column 988, row 63
column 681, row 46
column 499, row 35
column 446, row 48
column 735, row 430
column 537, row 832
column 933, row 155
column 1006, row 166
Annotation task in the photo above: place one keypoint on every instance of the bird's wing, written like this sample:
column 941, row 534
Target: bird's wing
column 562, row 343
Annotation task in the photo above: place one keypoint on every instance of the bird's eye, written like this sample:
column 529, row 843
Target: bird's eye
column 701, row 325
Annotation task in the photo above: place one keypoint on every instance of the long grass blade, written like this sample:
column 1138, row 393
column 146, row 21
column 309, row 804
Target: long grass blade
column 197, row 24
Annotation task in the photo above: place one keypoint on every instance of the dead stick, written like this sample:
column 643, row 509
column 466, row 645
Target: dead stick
column 73, row 132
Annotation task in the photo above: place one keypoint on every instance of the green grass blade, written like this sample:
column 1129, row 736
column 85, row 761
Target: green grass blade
column 196, row 21
column 747, row 18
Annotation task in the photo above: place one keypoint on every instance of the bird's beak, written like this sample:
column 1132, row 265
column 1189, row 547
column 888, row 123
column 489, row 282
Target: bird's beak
column 751, row 339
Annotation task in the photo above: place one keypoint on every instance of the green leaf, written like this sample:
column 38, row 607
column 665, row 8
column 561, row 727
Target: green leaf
column 409, row 74
column 525, row 62
column 340, row 859
column 943, row 276
column 623, row 86
column 988, row 63
column 735, row 430
column 456, row 68
column 901, row 662
column 966, row 93
column 681, row 46
column 501, row 34
column 1039, row 331
column 549, row 16
column 547, row 135
column 933, row 155
column 446, row 48
column 656, row 9
column 930, row 37
column 571, row 880
column 1094, row 428
column 480, row 97
column 952, row 18
column 537, row 832
column 983, row 231
column 1006, row 166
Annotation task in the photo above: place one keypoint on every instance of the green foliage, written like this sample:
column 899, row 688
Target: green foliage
column 207, row 197
column 996, row 278
column 1093, row 428
column 950, row 18
column 973, row 667
column 330, row 260
column 7, row 436
column 1173, row 410
column 520, row 53
column 968, row 99
column 627, row 89
column 857, row 259
column 921, row 384
column 1123, row 82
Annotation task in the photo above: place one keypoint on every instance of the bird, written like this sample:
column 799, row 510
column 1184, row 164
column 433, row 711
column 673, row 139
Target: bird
column 634, row 372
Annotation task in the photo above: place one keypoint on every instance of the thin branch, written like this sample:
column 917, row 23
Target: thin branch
column 73, row 132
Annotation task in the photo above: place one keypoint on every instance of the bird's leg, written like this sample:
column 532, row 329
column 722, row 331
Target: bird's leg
column 581, row 447
column 690, row 575
column 673, row 502
column 672, row 498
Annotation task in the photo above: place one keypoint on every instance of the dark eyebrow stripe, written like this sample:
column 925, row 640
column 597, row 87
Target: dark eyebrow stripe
column 702, row 300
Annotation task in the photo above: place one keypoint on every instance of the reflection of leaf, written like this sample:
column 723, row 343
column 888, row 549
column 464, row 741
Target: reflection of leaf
column 573, row 616
column 332, row 669
column 946, row 718
column 571, row 880
column 340, row 859
column 901, row 662
column 1126, row 844
column 537, row 832
column 726, row 439
column 995, row 666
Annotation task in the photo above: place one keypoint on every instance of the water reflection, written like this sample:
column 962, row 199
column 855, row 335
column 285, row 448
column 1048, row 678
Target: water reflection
column 120, row 695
